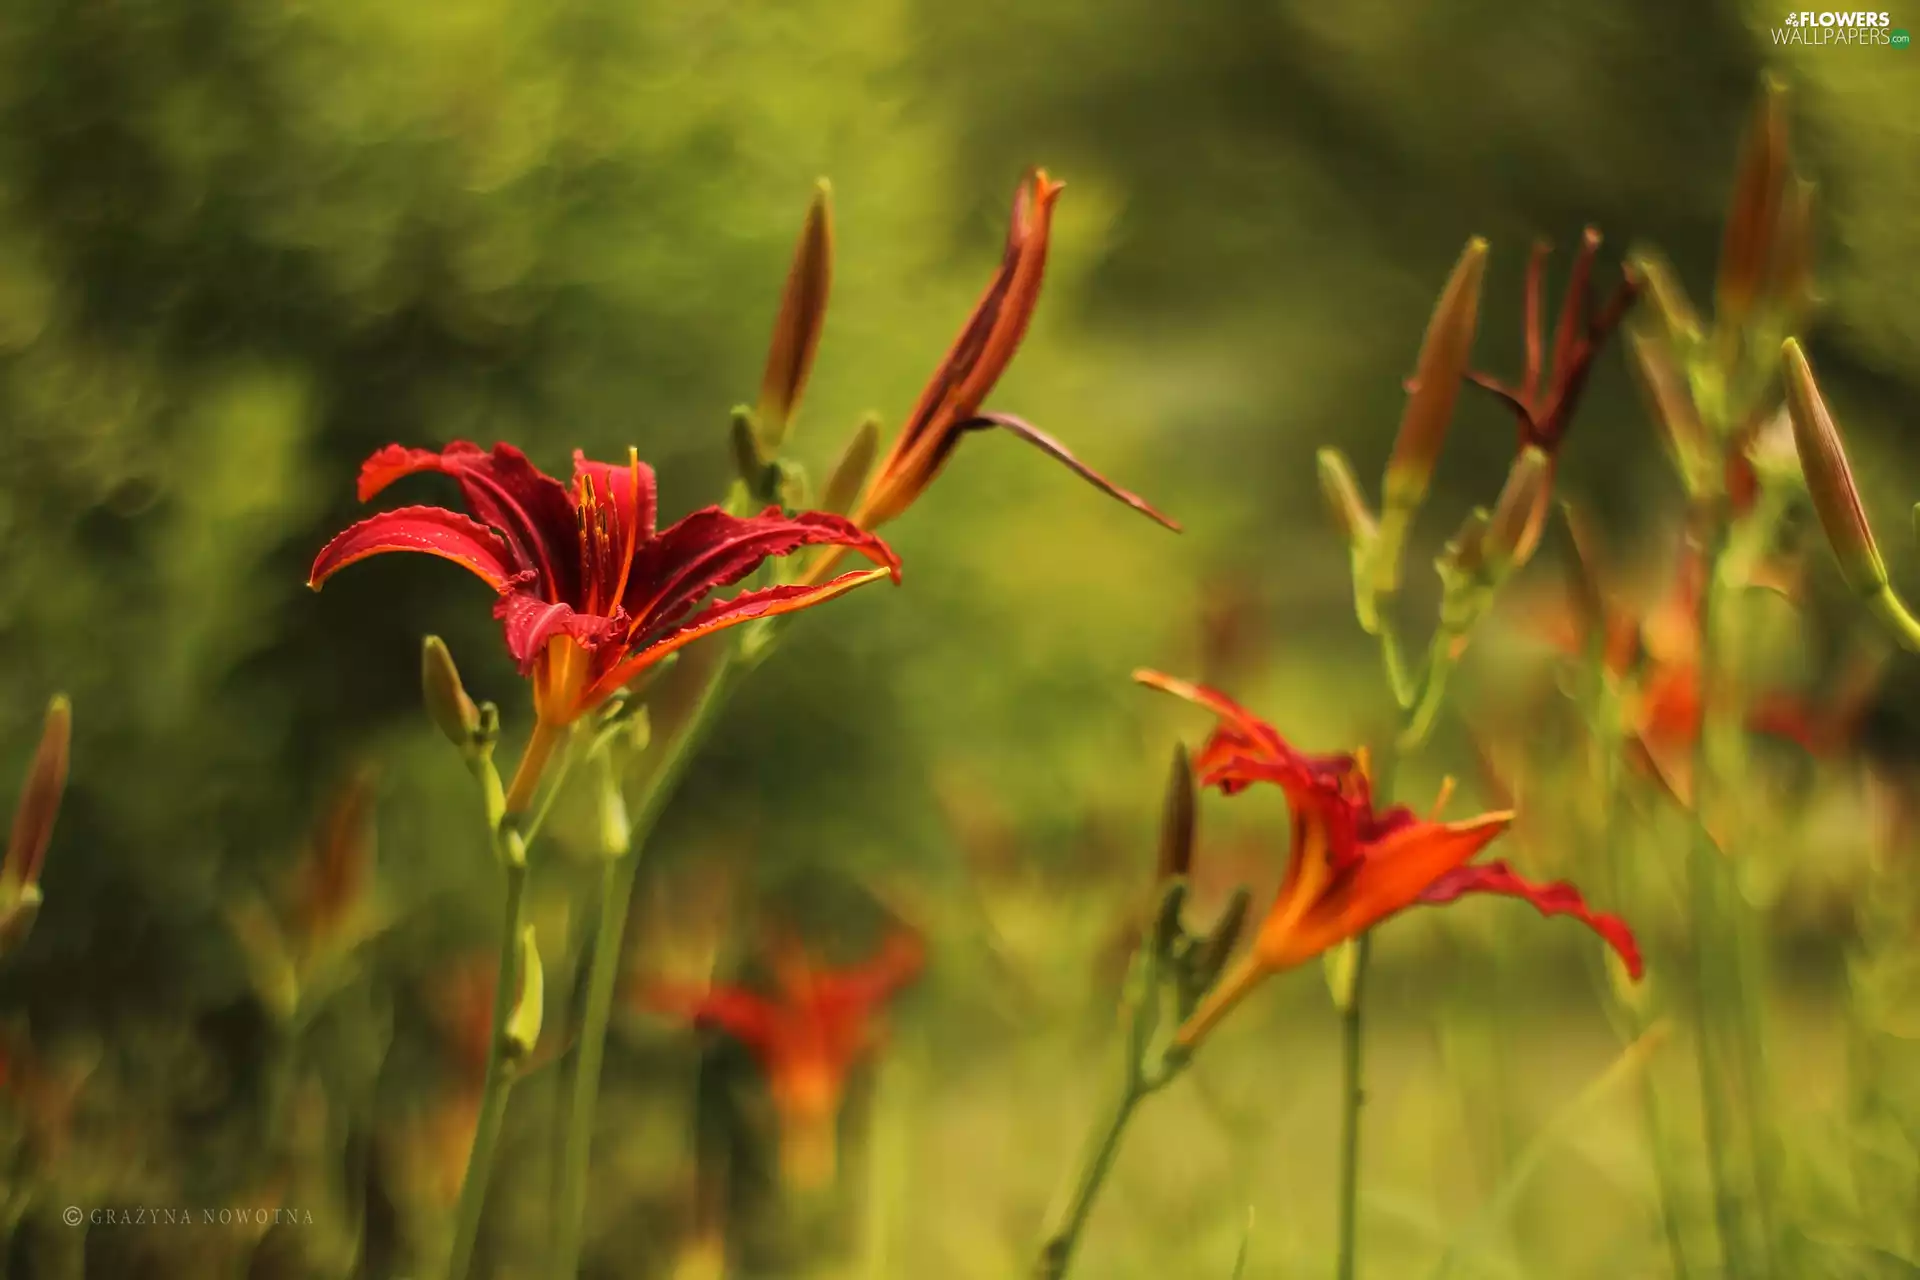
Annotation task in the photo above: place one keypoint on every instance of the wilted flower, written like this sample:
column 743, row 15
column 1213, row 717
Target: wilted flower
column 590, row 593
column 1351, row 865
column 950, row 406
column 807, row 1038
column 33, row 820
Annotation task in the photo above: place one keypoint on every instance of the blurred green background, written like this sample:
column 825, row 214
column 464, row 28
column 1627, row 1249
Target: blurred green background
column 242, row 245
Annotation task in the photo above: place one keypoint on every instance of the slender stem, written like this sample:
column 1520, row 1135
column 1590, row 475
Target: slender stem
column 497, row 1085
column 604, row 970
column 1352, row 1097
column 1705, row 875
column 1056, row 1255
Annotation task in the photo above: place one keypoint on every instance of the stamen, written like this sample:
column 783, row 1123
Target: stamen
column 633, row 528
column 1440, row 801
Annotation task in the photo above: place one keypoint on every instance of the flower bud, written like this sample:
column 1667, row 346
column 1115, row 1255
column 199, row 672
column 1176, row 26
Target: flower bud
column 1177, row 820
column 448, row 705
column 1670, row 401
column 1343, row 972
column 1431, row 393
column 522, row 1031
column 39, row 799
column 850, row 473
column 1513, row 530
column 1753, row 213
column 1341, row 493
column 803, row 312
column 1668, row 297
column 1823, row 460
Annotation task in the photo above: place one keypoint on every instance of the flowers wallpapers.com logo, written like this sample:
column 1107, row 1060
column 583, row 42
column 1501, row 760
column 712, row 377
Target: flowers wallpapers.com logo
column 1810, row 27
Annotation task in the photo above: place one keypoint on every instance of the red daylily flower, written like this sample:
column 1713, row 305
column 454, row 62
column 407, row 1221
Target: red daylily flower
column 1352, row 865
column 590, row 593
column 807, row 1039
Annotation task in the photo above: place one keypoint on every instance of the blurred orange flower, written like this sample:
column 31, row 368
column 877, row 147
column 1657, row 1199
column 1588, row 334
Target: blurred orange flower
column 1351, row 864
column 807, row 1039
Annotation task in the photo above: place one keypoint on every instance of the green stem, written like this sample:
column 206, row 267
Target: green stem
column 499, row 1078
column 604, row 971
column 1608, row 745
column 1056, row 1255
column 1705, row 876
column 1352, row 1097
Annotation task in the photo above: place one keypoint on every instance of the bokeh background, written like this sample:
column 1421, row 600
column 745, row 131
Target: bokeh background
column 243, row 245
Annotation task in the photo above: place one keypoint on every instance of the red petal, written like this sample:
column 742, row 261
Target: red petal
column 711, row 549
column 530, row 621
column 502, row 488
column 746, row 1017
column 434, row 531
column 744, row 607
column 897, row 963
column 1558, row 898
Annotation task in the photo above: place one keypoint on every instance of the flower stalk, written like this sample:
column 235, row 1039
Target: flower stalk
column 616, row 896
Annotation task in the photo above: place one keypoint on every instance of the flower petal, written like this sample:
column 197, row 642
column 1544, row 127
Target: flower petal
column 744, row 607
column 711, row 549
column 1556, row 899
column 1389, row 878
column 1059, row 453
column 529, row 508
column 434, row 531
column 748, row 1018
column 530, row 621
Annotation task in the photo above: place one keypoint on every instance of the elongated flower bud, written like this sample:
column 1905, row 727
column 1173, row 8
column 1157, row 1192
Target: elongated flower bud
column 850, row 473
column 40, row 797
column 1668, row 297
column 1791, row 284
column 1823, row 459
column 1177, row 820
column 523, row 1026
column 1514, row 528
column 1431, row 393
column 1754, row 210
column 1344, row 501
column 803, row 313
column 448, row 705
column 1670, row 401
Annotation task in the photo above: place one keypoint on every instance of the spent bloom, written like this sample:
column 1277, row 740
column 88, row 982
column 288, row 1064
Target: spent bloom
column 952, row 403
column 590, row 592
column 807, row 1038
column 1352, row 864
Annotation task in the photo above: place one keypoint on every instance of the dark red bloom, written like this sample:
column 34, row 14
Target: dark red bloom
column 591, row 594
column 1352, row 864
column 807, row 1038
column 1550, row 389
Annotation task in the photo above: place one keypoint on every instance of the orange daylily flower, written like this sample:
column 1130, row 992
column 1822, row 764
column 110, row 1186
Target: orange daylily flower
column 807, row 1039
column 952, row 403
column 1351, row 865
